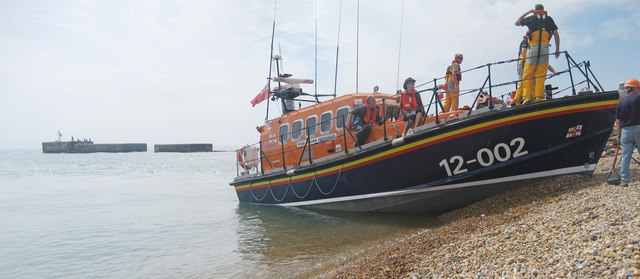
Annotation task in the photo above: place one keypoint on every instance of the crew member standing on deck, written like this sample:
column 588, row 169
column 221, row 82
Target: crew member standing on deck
column 522, row 53
column 453, row 77
column 628, row 126
column 542, row 28
column 410, row 105
column 518, row 98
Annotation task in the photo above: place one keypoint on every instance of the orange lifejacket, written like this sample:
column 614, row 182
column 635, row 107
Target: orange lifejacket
column 370, row 116
column 409, row 101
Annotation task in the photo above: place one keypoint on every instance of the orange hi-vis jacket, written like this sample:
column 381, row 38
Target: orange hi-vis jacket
column 370, row 116
column 409, row 101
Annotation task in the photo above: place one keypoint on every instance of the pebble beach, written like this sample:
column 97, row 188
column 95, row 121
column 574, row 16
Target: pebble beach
column 565, row 227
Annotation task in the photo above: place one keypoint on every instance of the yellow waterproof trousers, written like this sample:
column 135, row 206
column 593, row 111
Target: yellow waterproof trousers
column 451, row 98
column 451, row 101
column 538, row 71
column 536, row 67
column 518, row 97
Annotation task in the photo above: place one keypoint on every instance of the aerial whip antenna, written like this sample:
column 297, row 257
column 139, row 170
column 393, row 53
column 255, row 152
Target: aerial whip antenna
column 273, row 32
column 400, row 46
column 335, row 82
column 357, row 44
column 315, row 75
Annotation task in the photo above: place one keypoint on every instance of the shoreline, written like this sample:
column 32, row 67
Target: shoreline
column 568, row 226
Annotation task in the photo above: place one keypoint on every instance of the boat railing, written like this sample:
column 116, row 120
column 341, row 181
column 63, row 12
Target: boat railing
column 434, row 108
column 305, row 153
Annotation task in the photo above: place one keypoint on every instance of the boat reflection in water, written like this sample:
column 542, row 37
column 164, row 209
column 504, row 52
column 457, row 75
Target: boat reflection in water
column 292, row 242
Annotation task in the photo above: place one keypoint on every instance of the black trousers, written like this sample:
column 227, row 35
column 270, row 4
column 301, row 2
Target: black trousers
column 362, row 133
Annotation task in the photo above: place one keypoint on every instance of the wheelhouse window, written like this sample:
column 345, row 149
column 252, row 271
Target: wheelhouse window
column 296, row 130
column 342, row 118
column 284, row 133
column 312, row 126
column 326, row 123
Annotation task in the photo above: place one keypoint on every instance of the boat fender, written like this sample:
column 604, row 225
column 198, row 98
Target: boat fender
column 291, row 172
column 397, row 142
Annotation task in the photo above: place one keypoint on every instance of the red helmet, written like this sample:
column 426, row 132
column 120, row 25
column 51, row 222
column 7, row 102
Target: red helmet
column 632, row 83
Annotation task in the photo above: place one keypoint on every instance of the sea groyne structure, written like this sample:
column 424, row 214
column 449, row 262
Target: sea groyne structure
column 184, row 148
column 87, row 147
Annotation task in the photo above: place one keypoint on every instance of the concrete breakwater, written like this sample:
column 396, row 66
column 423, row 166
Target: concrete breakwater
column 84, row 147
column 193, row 147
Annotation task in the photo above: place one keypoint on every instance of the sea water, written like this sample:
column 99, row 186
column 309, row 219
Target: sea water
column 164, row 215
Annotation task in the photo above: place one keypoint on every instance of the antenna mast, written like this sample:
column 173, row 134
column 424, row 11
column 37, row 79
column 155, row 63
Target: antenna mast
column 357, row 44
column 400, row 46
column 335, row 82
column 315, row 75
column 273, row 32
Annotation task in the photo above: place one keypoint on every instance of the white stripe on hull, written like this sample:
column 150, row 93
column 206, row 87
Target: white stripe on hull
column 563, row 171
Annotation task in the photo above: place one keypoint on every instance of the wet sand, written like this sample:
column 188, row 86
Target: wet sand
column 564, row 227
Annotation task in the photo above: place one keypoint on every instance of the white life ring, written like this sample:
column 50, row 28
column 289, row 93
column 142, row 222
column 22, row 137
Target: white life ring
column 248, row 157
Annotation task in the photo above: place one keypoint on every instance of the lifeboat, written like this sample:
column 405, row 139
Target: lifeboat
column 308, row 156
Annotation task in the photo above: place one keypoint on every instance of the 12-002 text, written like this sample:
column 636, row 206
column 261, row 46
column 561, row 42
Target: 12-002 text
column 485, row 156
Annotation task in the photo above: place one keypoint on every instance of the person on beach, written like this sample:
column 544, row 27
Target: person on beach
column 410, row 105
column 628, row 126
column 542, row 28
column 366, row 116
column 453, row 77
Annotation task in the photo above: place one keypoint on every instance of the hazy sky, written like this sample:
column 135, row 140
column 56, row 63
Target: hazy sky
column 185, row 71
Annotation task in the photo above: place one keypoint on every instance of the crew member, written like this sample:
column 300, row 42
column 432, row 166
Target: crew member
column 518, row 99
column 522, row 53
column 364, row 117
column 542, row 28
column 628, row 126
column 410, row 105
column 453, row 77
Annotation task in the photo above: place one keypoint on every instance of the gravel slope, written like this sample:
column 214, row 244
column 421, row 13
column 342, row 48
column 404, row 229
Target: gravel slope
column 565, row 227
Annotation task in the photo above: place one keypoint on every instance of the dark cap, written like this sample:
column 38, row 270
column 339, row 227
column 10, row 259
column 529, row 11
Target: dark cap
column 407, row 81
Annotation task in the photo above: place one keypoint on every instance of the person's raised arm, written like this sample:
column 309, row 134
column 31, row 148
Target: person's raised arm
column 518, row 22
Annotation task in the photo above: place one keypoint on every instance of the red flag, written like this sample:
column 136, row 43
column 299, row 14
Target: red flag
column 263, row 95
